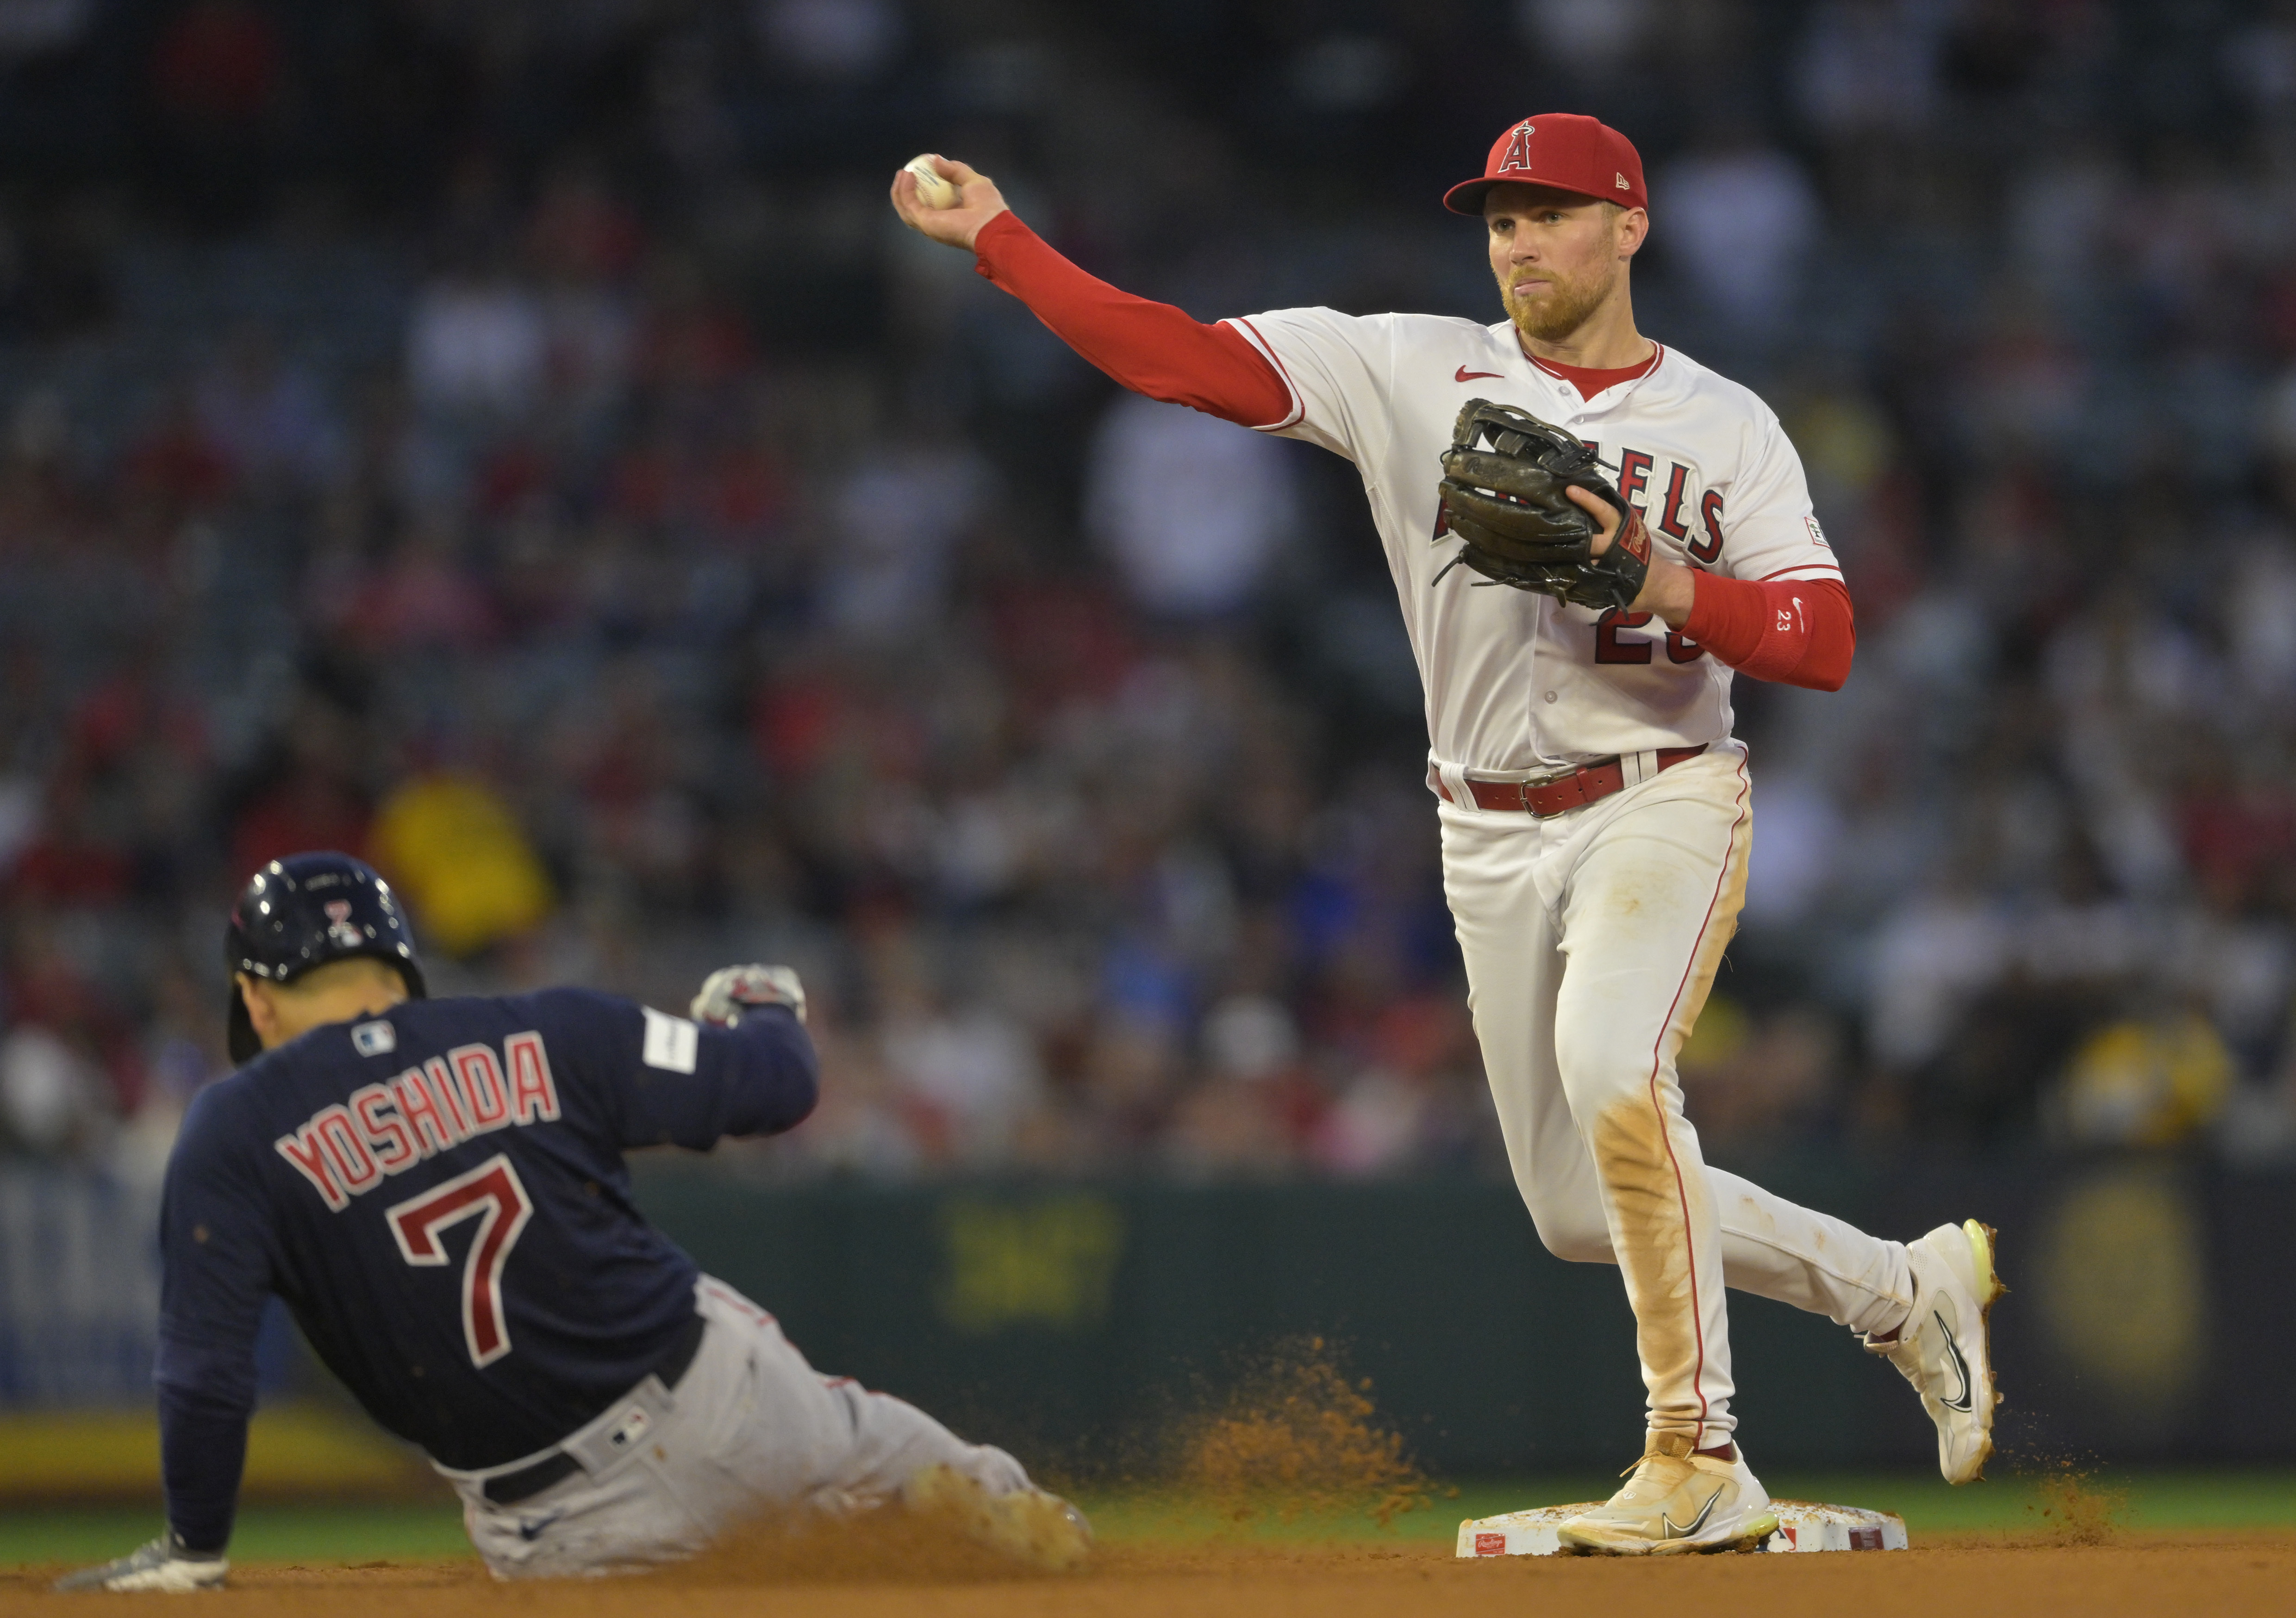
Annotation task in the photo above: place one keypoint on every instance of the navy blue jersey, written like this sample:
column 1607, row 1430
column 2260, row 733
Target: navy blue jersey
column 439, row 1195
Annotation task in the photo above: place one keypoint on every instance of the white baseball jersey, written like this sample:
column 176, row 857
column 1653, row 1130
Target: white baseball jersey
column 1515, row 680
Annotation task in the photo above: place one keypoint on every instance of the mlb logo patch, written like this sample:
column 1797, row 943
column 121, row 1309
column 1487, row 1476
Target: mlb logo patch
column 374, row 1039
column 634, row 1426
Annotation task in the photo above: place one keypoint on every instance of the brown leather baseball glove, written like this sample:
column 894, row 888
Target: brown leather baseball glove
column 1503, row 479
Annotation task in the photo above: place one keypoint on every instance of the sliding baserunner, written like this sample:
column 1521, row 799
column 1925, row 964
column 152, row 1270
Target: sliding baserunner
column 435, row 1189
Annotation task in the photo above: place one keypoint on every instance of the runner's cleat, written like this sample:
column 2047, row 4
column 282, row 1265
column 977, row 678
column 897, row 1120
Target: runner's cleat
column 1029, row 1524
column 1944, row 1349
column 162, row 1565
column 1676, row 1502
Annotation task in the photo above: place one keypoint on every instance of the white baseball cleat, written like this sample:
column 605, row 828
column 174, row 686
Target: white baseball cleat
column 1676, row 1502
column 1944, row 1349
column 1029, row 1525
column 163, row 1566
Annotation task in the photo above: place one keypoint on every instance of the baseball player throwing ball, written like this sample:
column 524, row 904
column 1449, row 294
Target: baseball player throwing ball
column 1590, row 532
column 435, row 1189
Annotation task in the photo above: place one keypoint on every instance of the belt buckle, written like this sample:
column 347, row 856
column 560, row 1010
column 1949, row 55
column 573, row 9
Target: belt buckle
column 1563, row 778
column 1524, row 788
column 1576, row 777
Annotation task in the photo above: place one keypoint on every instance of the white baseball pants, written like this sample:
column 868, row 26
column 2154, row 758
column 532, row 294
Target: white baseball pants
column 749, row 1427
column 1591, row 939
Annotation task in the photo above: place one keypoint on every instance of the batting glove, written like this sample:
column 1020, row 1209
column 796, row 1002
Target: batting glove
column 727, row 990
column 164, row 1564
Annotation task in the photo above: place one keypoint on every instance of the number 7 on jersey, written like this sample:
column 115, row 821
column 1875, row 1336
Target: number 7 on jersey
column 493, row 1194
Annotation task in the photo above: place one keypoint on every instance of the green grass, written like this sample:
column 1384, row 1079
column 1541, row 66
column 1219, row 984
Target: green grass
column 266, row 1533
column 331, row 1534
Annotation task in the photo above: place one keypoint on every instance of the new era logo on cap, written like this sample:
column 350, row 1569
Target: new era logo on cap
column 1623, row 182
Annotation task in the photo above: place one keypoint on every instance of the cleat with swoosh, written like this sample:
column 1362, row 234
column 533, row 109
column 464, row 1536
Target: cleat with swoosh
column 1944, row 1347
column 1675, row 1502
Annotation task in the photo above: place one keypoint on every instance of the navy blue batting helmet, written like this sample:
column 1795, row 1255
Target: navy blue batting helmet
column 303, row 911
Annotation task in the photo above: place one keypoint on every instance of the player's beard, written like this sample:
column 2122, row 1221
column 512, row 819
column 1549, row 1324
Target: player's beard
column 1565, row 306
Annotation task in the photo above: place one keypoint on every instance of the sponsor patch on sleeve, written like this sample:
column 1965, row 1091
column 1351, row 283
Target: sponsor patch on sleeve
column 1816, row 534
column 670, row 1042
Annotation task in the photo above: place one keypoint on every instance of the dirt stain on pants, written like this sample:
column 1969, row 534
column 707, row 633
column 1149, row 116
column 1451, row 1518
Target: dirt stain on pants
column 1652, row 1241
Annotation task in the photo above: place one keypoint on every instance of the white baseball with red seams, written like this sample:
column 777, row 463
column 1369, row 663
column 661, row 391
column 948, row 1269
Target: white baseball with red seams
column 1591, row 937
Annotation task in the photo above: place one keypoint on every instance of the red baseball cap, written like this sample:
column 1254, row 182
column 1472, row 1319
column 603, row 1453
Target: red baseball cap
column 1568, row 151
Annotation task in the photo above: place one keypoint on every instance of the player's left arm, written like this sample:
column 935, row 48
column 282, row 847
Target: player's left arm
column 216, row 1249
column 1792, row 621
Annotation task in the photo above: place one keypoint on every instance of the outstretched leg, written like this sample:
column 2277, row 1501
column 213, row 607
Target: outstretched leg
column 751, row 1428
column 1778, row 1249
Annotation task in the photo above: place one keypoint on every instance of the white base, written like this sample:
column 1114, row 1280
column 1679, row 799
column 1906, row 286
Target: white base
column 1801, row 1527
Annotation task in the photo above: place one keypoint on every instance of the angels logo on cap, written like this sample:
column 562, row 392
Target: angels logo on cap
column 1563, row 151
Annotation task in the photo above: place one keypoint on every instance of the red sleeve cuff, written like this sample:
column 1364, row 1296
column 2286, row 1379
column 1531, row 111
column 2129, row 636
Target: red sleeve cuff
column 1799, row 631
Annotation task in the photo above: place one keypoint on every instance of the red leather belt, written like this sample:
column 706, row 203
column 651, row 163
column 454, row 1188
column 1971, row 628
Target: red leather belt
column 1559, row 794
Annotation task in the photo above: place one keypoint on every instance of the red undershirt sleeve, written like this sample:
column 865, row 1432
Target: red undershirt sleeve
column 1153, row 349
column 1799, row 631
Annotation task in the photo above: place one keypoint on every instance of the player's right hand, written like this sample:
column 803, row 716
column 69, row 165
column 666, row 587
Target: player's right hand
column 163, row 1566
column 729, row 989
column 977, row 202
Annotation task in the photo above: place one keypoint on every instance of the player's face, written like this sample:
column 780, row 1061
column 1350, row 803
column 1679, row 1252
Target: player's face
column 1557, row 257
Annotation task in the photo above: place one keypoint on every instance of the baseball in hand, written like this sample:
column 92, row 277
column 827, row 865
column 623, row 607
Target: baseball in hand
column 932, row 190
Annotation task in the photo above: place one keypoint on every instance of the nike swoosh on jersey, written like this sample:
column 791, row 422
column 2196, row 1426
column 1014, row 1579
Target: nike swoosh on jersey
column 1696, row 1523
column 1465, row 375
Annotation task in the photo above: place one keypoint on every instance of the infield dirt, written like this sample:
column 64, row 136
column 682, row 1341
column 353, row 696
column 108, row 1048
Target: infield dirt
column 1970, row 1578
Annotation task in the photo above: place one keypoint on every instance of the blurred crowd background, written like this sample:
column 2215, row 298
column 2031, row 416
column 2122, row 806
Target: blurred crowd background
column 516, row 442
